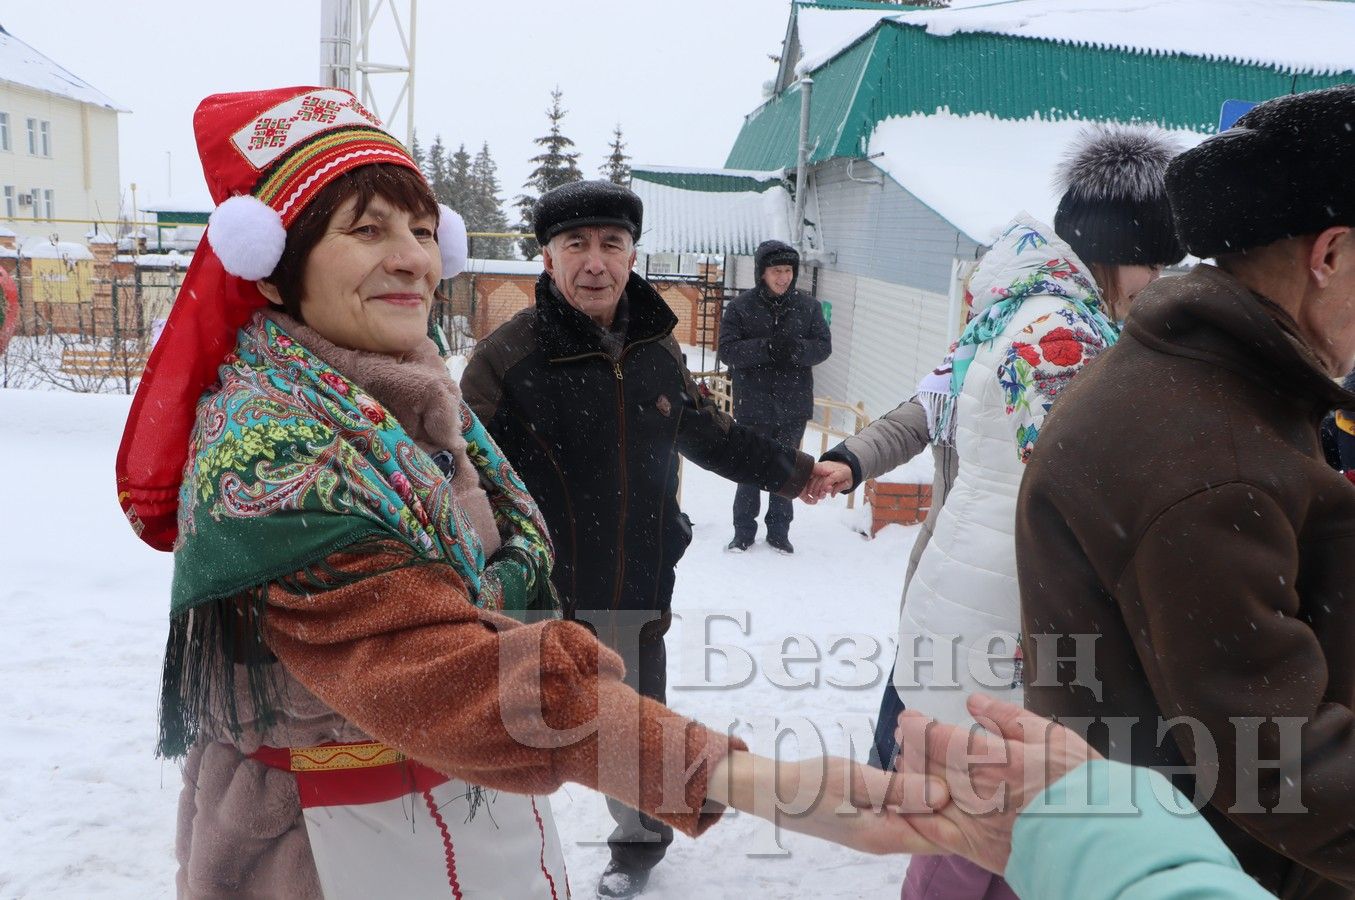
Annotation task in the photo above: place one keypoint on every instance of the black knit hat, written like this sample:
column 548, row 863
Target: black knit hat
column 1114, row 208
column 582, row 203
column 774, row 253
column 1286, row 169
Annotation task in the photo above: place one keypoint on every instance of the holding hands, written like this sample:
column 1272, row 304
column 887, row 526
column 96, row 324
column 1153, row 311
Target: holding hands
column 829, row 480
column 991, row 778
column 957, row 790
column 834, row 799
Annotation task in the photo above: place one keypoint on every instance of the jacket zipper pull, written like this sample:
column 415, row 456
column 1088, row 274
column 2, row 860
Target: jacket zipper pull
column 616, row 367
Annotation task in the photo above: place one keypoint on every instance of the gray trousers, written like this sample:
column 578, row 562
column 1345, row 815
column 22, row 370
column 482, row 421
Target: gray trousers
column 638, row 842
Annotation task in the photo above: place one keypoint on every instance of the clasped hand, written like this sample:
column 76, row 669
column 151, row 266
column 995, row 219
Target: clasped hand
column 990, row 777
column 828, row 480
column 956, row 790
column 832, row 798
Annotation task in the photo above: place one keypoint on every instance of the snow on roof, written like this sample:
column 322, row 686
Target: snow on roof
column 978, row 171
column 758, row 174
column 1311, row 36
column 504, row 266
column 22, row 65
column 44, row 248
column 824, row 33
column 8, row 232
column 171, row 260
column 1308, row 36
column 179, row 203
column 733, row 222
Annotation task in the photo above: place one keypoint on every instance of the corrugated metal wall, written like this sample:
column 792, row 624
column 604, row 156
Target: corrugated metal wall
column 831, row 377
column 899, row 334
column 742, row 269
column 882, row 231
column 887, row 274
column 886, row 336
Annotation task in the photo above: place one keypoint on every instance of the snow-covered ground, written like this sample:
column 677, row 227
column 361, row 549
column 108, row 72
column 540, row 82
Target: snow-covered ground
column 86, row 810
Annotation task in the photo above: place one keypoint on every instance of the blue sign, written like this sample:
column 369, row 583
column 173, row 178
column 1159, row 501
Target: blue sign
column 1232, row 111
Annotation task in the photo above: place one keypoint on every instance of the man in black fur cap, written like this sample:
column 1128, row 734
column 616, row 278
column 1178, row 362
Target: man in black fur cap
column 588, row 396
column 1178, row 508
column 771, row 337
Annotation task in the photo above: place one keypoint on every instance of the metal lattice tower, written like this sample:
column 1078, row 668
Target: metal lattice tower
column 347, row 28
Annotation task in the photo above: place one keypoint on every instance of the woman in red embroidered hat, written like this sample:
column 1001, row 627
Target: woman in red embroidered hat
column 360, row 715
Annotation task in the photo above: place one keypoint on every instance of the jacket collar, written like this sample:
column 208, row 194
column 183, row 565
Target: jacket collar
column 563, row 332
column 765, row 294
column 1208, row 315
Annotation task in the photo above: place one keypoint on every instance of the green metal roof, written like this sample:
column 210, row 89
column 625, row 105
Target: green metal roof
column 178, row 216
column 710, row 182
column 898, row 70
column 861, row 4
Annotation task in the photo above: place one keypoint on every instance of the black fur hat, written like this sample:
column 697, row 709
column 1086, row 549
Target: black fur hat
column 582, row 203
column 1114, row 208
column 1286, row 169
column 774, row 253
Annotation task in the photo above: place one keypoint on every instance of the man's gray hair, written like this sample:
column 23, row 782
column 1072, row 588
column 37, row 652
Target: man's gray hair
column 629, row 237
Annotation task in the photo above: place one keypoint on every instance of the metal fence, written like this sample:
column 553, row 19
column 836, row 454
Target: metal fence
column 86, row 325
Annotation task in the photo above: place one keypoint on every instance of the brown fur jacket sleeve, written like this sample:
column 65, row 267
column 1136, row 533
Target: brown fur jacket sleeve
column 523, row 708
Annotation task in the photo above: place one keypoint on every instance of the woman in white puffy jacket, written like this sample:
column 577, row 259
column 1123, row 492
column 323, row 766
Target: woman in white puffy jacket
column 1044, row 305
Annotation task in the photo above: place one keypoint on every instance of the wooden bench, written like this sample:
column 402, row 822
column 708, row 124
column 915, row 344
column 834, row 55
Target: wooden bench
column 86, row 362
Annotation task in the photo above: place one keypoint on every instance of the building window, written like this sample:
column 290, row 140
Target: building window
column 35, row 200
column 48, row 203
column 4, row 131
column 11, row 209
column 39, row 137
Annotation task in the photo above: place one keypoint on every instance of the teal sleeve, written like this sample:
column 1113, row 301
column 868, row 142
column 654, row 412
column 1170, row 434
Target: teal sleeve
column 1105, row 831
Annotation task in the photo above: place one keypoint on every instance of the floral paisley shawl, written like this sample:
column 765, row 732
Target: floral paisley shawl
column 1038, row 364
column 290, row 462
column 1027, row 260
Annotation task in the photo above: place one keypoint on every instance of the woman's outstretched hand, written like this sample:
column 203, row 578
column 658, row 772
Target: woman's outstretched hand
column 991, row 778
column 834, row 799
column 829, row 479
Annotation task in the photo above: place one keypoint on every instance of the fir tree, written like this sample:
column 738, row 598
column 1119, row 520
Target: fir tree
column 459, row 193
column 486, row 207
column 555, row 165
column 617, row 167
column 436, row 168
column 416, row 151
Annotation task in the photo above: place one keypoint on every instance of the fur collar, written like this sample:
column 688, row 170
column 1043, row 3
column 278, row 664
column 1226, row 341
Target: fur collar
column 417, row 389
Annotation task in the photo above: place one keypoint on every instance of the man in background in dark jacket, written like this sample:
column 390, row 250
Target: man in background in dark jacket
column 1178, row 520
column 771, row 337
column 589, row 398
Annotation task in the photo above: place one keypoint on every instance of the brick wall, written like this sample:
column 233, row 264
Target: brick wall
column 497, row 298
column 897, row 504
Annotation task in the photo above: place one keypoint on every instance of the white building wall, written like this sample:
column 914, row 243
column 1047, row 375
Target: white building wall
column 81, row 172
column 899, row 334
column 831, row 376
column 742, row 272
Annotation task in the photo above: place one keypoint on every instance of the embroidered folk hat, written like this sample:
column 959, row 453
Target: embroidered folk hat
column 265, row 155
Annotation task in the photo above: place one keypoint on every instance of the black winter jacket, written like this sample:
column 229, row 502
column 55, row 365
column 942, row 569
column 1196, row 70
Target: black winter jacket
column 596, row 441
column 768, row 391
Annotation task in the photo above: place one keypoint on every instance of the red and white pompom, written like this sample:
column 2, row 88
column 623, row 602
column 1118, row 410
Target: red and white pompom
column 452, row 241
column 248, row 237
